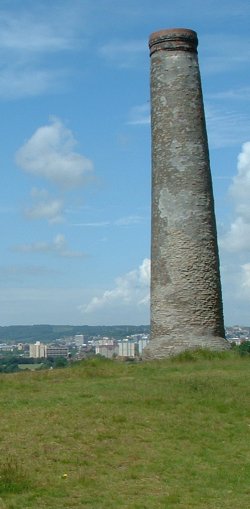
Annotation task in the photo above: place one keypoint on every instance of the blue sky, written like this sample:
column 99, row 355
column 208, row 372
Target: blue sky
column 75, row 154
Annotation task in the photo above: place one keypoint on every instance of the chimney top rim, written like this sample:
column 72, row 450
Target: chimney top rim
column 174, row 39
column 173, row 31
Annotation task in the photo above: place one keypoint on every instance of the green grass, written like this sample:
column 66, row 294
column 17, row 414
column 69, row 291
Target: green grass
column 107, row 435
column 31, row 367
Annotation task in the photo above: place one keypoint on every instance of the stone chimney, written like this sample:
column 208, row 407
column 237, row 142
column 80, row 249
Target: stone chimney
column 186, row 301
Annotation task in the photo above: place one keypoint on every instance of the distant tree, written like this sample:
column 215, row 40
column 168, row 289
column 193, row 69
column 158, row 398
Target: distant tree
column 60, row 362
column 10, row 367
column 244, row 348
column 28, row 360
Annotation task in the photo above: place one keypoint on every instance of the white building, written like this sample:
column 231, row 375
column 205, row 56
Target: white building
column 37, row 350
column 108, row 351
column 105, row 342
column 127, row 349
column 142, row 342
column 79, row 339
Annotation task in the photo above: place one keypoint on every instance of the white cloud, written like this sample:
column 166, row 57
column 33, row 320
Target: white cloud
column 45, row 207
column 246, row 276
column 140, row 115
column 240, row 189
column 237, row 288
column 235, row 245
column 237, row 239
column 49, row 154
column 58, row 246
column 132, row 288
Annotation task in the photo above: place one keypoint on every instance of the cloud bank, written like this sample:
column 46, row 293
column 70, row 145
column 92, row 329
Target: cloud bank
column 131, row 288
column 237, row 238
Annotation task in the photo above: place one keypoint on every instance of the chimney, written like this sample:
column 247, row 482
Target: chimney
column 186, row 300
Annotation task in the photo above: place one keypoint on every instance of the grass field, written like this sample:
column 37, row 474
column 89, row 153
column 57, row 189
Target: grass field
column 109, row 435
column 31, row 367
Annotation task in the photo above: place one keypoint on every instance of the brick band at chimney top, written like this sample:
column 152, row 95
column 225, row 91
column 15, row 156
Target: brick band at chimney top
column 186, row 300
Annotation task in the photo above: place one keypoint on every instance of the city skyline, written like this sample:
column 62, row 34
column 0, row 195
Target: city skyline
column 76, row 161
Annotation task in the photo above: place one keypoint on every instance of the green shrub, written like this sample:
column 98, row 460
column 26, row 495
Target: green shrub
column 244, row 348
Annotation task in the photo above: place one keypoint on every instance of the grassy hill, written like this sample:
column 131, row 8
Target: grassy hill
column 106, row 435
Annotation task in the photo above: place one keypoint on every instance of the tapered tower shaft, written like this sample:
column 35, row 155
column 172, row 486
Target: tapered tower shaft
column 186, row 301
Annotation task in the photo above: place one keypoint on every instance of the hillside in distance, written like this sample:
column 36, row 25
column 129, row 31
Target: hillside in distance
column 47, row 333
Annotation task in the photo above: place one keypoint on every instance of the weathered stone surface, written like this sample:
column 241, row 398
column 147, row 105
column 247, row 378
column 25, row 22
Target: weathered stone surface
column 186, row 301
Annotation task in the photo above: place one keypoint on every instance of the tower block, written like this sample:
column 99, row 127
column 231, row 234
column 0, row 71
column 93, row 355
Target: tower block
column 186, row 300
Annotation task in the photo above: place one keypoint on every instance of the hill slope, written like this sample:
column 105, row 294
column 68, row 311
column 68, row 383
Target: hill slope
column 104, row 435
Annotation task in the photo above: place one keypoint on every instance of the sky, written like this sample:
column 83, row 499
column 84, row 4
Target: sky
column 75, row 154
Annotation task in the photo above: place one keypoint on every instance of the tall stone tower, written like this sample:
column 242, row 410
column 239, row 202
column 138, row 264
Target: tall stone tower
column 186, row 301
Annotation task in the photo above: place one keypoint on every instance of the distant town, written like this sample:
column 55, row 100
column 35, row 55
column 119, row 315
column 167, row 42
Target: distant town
column 79, row 347
column 29, row 354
